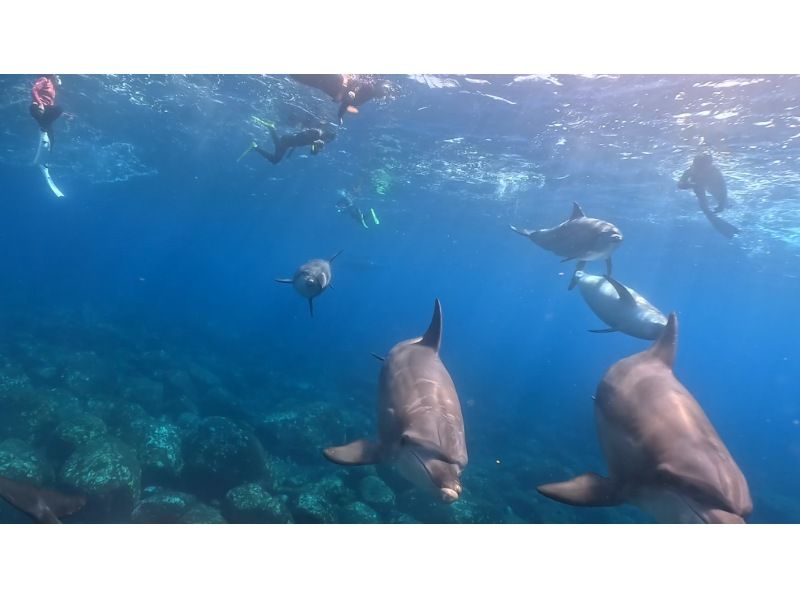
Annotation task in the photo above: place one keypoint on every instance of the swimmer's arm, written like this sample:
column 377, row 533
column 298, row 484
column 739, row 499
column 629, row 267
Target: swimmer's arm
column 686, row 180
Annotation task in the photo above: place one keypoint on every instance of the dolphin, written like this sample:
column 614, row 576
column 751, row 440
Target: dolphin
column 663, row 454
column 311, row 279
column 43, row 505
column 420, row 426
column 579, row 238
column 622, row 308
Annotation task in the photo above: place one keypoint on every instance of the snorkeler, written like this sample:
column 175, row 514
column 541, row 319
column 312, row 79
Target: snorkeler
column 362, row 89
column 350, row 91
column 703, row 176
column 348, row 205
column 43, row 108
column 316, row 138
column 45, row 112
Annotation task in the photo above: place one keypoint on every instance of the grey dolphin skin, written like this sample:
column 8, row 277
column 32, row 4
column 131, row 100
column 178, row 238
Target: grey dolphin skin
column 579, row 238
column 663, row 454
column 622, row 308
column 43, row 505
column 311, row 279
column 420, row 426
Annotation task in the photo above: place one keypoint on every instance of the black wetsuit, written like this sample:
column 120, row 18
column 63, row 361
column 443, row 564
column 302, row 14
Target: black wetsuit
column 47, row 118
column 364, row 90
column 706, row 178
column 289, row 142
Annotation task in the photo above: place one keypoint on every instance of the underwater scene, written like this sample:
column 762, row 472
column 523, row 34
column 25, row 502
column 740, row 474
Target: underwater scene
column 399, row 298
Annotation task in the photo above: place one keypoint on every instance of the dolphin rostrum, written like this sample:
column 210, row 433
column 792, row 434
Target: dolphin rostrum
column 622, row 308
column 420, row 426
column 579, row 238
column 43, row 505
column 311, row 279
column 663, row 454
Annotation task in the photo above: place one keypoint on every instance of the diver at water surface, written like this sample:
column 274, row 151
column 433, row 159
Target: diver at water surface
column 285, row 144
column 43, row 107
column 350, row 91
column 703, row 176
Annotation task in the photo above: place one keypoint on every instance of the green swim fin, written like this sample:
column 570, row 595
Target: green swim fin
column 374, row 216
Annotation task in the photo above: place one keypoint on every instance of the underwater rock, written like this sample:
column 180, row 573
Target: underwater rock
column 161, row 505
column 180, row 383
column 85, row 373
column 313, row 508
column 202, row 513
column 107, row 472
column 219, row 455
column 250, row 503
column 398, row 517
column 376, row 493
column 300, row 432
column 72, row 433
column 27, row 415
column 21, row 462
column 358, row 512
column 159, row 448
column 218, row 401
column 146, row 392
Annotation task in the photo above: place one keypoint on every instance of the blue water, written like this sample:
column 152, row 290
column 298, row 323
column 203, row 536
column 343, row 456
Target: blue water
column 165, row 244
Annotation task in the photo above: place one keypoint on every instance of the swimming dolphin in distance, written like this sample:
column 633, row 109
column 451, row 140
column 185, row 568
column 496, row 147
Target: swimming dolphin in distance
column 44, row 506
column 420, row 427
column 579, row 238
column 663, row 453
column 622, row 308
column 311, row 279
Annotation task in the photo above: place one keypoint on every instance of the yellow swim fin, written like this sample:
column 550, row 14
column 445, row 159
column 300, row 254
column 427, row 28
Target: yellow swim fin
column 252, row 146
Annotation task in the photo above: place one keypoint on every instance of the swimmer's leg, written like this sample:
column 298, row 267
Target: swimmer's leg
column 274, row 158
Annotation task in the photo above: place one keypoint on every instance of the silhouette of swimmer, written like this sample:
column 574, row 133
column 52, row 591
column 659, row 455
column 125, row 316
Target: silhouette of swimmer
column 703, row 176
column 350, row 91
column 43, row 505
column 315, row 138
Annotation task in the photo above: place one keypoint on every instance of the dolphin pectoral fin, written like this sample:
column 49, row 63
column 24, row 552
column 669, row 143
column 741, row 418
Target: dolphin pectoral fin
column 378, row 357
column 578, row 268
column 284, row 280
column 45, row 506
column 566, row 259
column 605, row 330
column 624, row 294
column 311, row 307
column 587, row 490
column 608, row 267
column 577, row 212
column 664, row 348
column 433, row 335
column 335, row 255
column 434, row 450
column 360, row 452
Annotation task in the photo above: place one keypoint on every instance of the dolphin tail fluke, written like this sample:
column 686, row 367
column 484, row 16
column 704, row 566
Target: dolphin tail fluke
column 520, row 231
column 587, row 490
column 284, row 280
column 45, row 506
column 578, row 268
column 604, row 330
column 311, row 307
column 360, row 452
column 433, row 336
column 665, row 347
column 336, row 255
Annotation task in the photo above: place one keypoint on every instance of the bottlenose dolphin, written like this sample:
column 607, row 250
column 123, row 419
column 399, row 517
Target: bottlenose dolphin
column 622, row 308
column 44, row 506
column 420, row 426
column 663, row 454
column 311, row 279
column 579, row 238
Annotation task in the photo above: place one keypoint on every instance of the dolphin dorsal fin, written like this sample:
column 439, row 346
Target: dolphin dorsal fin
column 577, row 212
column 433, row 335
column 666, row 345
